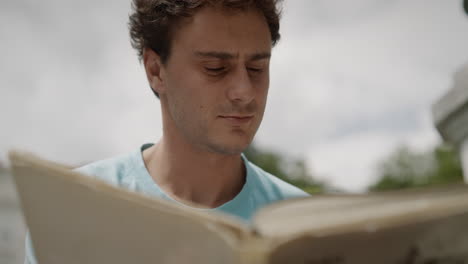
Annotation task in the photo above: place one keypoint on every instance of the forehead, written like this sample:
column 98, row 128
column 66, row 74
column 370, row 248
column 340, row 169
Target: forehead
column 214, row 29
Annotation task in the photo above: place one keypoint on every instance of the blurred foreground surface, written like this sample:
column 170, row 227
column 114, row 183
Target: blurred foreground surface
column 12, row 228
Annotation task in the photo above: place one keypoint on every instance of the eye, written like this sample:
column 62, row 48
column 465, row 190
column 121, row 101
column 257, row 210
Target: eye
column 215, row 70
column 254, row 70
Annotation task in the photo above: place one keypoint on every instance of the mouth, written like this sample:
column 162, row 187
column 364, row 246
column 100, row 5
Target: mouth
column 237, row 119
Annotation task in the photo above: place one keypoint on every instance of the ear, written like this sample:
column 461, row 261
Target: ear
column 154, row 70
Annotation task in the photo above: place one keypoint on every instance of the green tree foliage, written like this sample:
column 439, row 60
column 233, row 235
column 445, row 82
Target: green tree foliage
column 292, row 171
column 406, row 169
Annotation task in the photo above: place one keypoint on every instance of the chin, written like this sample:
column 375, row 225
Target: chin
column 232, row 143
column 232, row 148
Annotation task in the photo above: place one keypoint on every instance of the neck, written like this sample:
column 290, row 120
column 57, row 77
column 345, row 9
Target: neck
column 192, row 175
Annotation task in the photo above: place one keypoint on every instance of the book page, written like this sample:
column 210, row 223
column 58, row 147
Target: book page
column 438, row 241
column 407, row 227
column 76, row 219
column 323, row 212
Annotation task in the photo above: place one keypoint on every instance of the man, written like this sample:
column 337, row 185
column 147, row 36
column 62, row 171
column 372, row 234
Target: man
column 208, row 62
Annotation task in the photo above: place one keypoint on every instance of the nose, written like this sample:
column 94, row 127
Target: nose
column 241, row 89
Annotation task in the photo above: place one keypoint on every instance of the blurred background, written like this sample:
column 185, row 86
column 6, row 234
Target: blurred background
column 352, row 88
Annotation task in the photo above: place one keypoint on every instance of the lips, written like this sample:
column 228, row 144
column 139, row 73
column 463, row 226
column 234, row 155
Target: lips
column 237, row 119
column 237, row 116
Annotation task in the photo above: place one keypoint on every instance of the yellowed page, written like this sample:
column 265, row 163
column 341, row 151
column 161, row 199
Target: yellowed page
column 77, row 219
column 438, row 241
column 425, row 226
column 329, row 212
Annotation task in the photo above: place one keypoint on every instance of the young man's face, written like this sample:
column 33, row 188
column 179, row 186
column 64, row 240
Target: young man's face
column 215, row 82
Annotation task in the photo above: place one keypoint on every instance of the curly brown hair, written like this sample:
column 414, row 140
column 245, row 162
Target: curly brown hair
column 152, row 21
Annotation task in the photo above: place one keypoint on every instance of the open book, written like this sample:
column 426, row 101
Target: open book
column 77, row 219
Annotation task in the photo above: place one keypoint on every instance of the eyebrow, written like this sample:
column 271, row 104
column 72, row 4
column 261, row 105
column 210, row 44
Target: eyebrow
column 229, row 56
column 260, row 56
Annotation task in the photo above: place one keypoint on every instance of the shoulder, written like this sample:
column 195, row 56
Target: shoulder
column 115, row 170
column 271, row 187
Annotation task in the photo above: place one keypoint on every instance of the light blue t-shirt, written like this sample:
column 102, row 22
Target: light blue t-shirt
column 129, row 172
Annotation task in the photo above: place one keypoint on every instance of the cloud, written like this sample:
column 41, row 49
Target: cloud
column 347, row 89
column 333, row 13
column 72, row 89
column 349, row 162
column 350, row 81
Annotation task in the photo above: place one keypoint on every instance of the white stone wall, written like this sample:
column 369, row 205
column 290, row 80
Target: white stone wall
column 450, row 115
column 464, row 158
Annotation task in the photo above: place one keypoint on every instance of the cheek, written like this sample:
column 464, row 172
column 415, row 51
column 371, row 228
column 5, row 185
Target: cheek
column 262, row 92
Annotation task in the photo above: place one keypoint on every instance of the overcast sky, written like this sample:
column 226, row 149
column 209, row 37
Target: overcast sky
column 351, row 80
